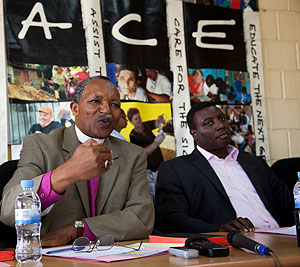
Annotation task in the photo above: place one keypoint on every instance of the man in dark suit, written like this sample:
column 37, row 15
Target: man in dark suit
column 216, row 188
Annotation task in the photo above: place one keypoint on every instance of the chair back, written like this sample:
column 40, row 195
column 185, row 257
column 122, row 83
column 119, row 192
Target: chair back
column 8, row 237
column 7, row 170
column 286, row 170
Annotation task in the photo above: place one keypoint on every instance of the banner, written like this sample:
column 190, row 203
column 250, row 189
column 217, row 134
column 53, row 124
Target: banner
column 181, row 99
column 255, row 68
column 136, row 33
column 45, row 32
column 92, row 23
column 214, row 37
column 159, row 54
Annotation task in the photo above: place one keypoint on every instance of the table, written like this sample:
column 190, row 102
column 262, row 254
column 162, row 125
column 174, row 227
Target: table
column 285, row 248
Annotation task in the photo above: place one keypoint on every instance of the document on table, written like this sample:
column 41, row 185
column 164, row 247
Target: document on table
column 281, row 231
column 116, row 253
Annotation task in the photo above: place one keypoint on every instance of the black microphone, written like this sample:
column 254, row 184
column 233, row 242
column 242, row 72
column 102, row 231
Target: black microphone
column 237, row 239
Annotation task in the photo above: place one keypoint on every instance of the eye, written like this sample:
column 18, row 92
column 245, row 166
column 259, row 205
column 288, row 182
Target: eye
column 208, row 123
column 115, row 105
column 94, row 101
column 222, row 119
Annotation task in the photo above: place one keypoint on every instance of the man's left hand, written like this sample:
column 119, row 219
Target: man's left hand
column 59, row 237
column 243, row 224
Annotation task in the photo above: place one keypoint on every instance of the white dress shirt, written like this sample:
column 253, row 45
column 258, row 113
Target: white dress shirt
column 239, row 188
column 116, row 134
column 83, row 138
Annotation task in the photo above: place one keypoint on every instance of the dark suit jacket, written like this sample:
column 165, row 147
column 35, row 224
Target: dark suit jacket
column 190, row 197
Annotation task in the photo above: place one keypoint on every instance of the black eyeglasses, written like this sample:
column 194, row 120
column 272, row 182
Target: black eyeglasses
column 104, row 242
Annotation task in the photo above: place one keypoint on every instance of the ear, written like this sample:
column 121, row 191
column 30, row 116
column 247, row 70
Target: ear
column 74, row 108
column 193, row 133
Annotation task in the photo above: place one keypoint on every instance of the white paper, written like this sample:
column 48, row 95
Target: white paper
column 116, row 253
column 281, row 231
column 115, row 250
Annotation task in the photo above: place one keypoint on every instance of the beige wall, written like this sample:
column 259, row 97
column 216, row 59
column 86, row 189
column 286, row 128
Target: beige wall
column 280, row 33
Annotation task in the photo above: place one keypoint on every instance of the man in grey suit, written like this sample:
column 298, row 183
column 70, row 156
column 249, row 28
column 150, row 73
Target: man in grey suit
column 217, row 188
column 89, row 183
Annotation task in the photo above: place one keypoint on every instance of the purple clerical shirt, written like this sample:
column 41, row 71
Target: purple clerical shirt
column 49, row 197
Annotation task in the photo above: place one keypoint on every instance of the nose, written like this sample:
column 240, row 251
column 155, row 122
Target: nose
column 220, row 125
column 105, row 107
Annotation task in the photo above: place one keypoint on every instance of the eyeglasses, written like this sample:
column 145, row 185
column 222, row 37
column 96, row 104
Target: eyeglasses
column 104, row 242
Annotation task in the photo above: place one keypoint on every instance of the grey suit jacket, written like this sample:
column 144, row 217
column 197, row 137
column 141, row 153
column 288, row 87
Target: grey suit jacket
column 124, row 206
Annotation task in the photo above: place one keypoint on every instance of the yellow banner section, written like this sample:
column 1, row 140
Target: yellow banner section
column 148, row 112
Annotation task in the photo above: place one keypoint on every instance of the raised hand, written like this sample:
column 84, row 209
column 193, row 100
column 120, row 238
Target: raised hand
column 89, row 160
column 160, row 119
column 159, row 139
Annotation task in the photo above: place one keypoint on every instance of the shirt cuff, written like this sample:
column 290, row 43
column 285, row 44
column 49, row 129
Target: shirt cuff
column 88, row 233
column 46, row 194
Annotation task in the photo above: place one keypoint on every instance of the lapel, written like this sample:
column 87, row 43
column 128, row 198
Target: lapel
column 69, row 144
column 201, row 163
column 249, row 167
column 108, row 179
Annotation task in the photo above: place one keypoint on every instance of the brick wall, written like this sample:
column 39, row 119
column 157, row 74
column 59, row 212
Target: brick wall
column 280, row 33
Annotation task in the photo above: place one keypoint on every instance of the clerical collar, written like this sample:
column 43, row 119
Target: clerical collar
column 83, row 138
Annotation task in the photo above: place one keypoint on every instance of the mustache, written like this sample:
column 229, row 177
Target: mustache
column 104, row 116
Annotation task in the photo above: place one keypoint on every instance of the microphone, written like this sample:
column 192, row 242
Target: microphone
column 237, row 239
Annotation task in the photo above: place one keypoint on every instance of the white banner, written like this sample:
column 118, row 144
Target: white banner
column 255, row 69
column 92, row 23
column 181, row 97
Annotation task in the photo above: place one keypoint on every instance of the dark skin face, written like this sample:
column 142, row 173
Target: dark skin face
column 212, row 131
column 99, row 97
column 123, row 121
column 152, row 74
